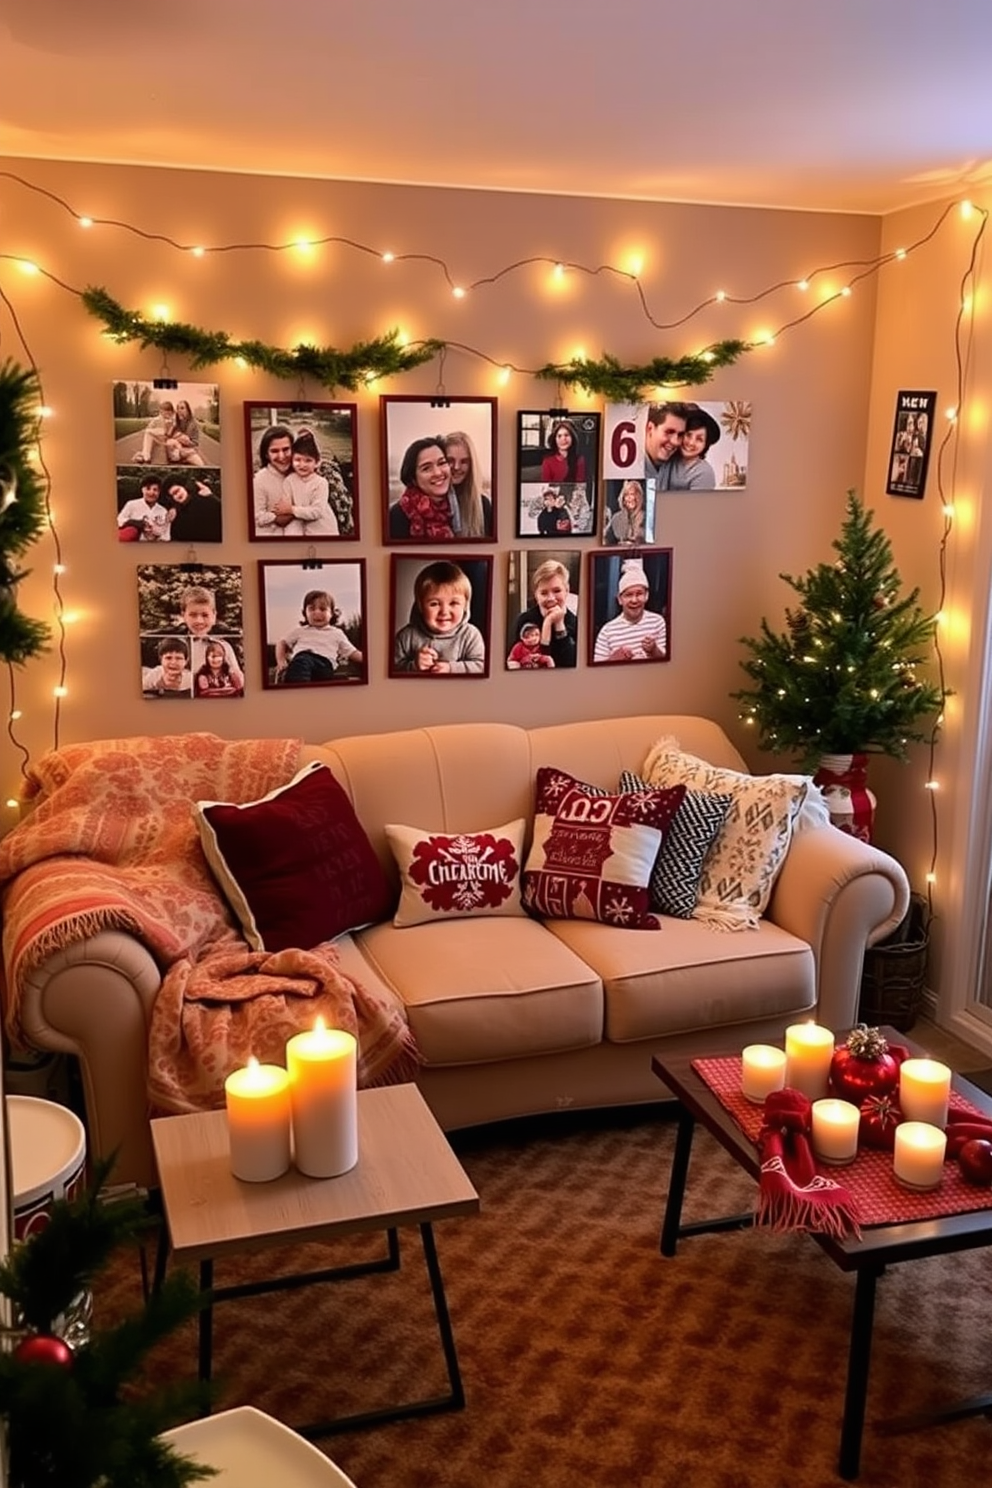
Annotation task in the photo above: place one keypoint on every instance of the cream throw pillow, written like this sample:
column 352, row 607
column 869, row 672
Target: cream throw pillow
column 741, row 867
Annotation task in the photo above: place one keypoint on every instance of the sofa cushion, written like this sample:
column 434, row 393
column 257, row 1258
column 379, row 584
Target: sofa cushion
column 678, row 868
column 692, row 978
column 592, row 855
column 457, row 875
column 295, row 866
column 740, row 870
column 477, row 991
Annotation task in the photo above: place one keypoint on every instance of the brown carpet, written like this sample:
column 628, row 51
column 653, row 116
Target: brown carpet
column 588, row 1359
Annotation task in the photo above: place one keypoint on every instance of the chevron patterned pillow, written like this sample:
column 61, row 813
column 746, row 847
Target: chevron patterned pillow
column 678, row 867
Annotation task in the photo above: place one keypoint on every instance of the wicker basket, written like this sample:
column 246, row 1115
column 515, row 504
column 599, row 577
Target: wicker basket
column 895, row 972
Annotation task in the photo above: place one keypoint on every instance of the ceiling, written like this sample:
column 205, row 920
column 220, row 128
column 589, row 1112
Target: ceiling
column 859, row 105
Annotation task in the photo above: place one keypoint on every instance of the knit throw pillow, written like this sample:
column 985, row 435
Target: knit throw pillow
column 296, row 867
column 678, row 868
column 457, row 875
column 739, row 872
column 592, row 855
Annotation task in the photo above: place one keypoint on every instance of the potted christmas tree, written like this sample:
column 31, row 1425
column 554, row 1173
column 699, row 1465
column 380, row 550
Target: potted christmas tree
column 841, row 681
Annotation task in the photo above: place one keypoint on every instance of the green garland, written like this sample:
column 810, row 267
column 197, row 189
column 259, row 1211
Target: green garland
column 384, row 357
column 620, row 384
column 22, row 507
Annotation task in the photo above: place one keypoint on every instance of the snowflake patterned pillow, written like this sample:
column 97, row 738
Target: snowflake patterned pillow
column 457, row 875
column 592, row 855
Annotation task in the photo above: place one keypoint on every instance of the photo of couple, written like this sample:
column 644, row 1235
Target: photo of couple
column 439, row 469
column 679, row 445
column 302, row 460
column 167, row 454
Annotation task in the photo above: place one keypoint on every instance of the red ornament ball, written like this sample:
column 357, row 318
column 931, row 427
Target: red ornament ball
column 880, row 1115
column 43, row 1348
column 863, row 1066
column 975, row 1162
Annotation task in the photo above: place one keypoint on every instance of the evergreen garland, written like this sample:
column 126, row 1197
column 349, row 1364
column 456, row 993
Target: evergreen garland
column 79, row 1425
column 22, row 508
column 841, row 679
column 619, row 384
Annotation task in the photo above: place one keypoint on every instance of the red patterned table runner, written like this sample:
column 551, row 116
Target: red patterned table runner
column 869, row 1179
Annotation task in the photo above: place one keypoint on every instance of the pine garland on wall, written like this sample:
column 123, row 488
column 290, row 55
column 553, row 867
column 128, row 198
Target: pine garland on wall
column 22, row 508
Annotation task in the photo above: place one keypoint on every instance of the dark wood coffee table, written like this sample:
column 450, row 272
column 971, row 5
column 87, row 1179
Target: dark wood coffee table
column 879, row 1246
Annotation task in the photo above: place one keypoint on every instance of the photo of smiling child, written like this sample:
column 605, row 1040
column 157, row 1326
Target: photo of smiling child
column 445, row 634
column 202, row 612
column 631, row 605
column 313, row 623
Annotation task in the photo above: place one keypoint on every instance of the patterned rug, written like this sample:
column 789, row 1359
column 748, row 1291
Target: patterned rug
column 589, row 1361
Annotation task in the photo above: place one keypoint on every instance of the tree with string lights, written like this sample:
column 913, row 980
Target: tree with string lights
column 22, row 508
column 842, row 678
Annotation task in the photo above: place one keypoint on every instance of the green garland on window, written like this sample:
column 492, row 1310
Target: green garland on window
column 22, row 507
column 384, row 357
column 619, row 384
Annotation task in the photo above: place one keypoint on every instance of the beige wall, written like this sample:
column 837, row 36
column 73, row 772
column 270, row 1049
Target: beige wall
column 810, row 395
column 916, row 346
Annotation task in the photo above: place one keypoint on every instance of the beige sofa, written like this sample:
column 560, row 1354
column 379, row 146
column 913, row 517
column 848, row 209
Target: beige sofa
column 513, row 1016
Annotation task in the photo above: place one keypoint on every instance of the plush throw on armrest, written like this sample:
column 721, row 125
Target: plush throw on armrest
column 457, row 875
column 592, row 854
column 296, row 867
column 678, row 869
column 740, row 870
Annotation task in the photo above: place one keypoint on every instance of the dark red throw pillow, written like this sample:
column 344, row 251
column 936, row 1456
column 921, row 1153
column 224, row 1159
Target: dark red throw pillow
column 296, row 867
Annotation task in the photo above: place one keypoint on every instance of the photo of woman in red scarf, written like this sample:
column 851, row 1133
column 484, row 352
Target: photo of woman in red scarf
column 426, row 508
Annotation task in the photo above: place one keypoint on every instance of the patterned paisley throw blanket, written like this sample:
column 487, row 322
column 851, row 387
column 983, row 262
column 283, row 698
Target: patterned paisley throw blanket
column 112, row 845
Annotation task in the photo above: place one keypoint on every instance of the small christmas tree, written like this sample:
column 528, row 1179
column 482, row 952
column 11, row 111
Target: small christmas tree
column 842, row 678
column 22, row 508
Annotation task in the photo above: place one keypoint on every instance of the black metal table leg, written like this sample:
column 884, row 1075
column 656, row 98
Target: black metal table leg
column 676, row 1183
column 859, row 1360
column 457, row 1401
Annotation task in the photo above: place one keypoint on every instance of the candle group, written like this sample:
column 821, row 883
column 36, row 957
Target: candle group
column 918, row 1157
column 924, row 1091
column 307, row 1112
column 835, row 1130
column 808, row 1052
column 762, row 1071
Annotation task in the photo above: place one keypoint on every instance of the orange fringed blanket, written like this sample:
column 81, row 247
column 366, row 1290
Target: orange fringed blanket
column 112, row 845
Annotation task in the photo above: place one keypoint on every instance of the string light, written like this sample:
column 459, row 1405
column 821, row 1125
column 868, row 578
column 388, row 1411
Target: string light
column 85, row 221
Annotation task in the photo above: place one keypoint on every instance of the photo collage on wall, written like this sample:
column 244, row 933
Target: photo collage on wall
column 603, row 477
column 909, row 454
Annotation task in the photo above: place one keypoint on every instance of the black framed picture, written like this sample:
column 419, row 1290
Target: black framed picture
column 313, row 623
column 439, row 615
column 438, row 469
column 543, row 592
column 909, row 455
column 557, row 473
column 302, row 460
column 630, row 606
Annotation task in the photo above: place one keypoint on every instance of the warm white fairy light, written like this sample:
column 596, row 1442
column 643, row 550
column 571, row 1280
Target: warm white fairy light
column 846, row 290
column 503, row 376
column 900, row 253
column 60, row 691
column 802, row 284
column 15, row 714
column 85, row 221
column 388, row 257
column 559, row 271
column 458, row 292
column 198, row 251
column 45, row 412
column 931, row 785
column 12, row 803
column 951, row 414
column 27, row 267
column 948, row 510
column 161, row 313
column 720, row 296
column 966, row 210
column 58, row 568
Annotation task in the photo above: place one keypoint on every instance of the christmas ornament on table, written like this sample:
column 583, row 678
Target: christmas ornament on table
column 880, row 1115
column 842, row 680
column 866, row 1064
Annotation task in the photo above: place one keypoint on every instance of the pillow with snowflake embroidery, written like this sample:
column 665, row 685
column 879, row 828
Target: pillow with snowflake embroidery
column 592, row 855
column 457, row 875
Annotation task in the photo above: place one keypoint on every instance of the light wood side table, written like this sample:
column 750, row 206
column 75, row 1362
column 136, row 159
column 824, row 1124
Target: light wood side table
column 406, row 1175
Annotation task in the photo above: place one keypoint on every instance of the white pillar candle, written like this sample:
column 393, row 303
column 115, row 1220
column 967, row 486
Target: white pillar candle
column 808, row 1052
column 918, row 1158
column 835, row 1130
column 924, row 1091
column 322, row 1068
column 762, row 1071
column 258, row 1121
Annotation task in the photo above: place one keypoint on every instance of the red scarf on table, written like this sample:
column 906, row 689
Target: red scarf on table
column 792, row 1195
column 429, row 516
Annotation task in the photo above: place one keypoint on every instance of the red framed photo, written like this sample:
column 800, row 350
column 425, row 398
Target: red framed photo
column 313, row 623
column 440, row 609
column 438, row 469
column 302, row 461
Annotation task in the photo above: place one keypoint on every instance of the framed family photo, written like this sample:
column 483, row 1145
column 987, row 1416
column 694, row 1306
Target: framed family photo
column 191, row 631
column 438, row 469
column 557, row 473
column 167, row 457
column 628, row 513
column 542, row 609
column 679, row 445
column 313, row 623
column 440, row 611
column 302, row 460
column 909, row 455
column 630, row 607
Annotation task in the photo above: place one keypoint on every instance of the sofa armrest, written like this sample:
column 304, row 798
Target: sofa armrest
column 840, row 895
column 94, row 1000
